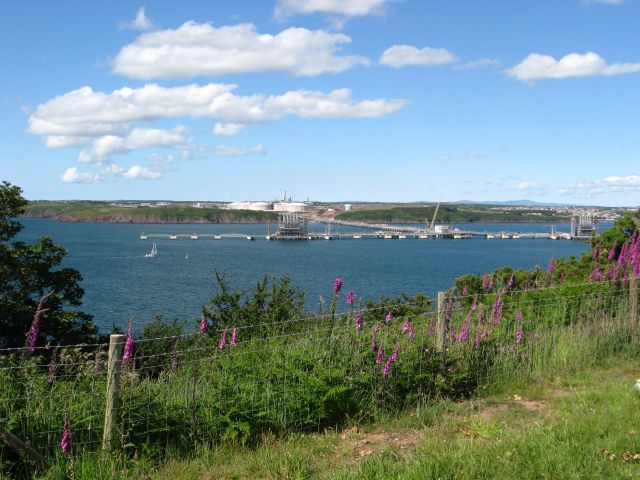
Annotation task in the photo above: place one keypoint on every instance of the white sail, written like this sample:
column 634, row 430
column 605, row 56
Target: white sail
column 153, row 252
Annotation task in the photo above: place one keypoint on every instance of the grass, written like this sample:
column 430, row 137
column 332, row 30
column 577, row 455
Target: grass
column 580, row 425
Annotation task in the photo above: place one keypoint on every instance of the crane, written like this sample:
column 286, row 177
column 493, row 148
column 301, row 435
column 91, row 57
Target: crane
column 433, row 221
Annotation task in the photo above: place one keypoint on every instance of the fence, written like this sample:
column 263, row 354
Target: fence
column 236, row 384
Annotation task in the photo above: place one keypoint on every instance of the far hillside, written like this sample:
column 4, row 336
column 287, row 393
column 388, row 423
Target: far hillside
column 451, row 214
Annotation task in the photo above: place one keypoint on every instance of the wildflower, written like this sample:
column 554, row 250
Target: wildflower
column 596, row 276
column 51, row 379
column 128, row 346
column 596, row 253
column 376, row 328
column 394, row 355
column 389, row 317
column 491, row 283
column 432, row 327
column 387, row 368
column 612, row 252
column 464, row 332
column 350, row 298
column 411, row 332
column 204, row 325
column 223, row 340
column 511, row 281
column 464, row 291
column 374, row 343
column 405, row 326
column 65, row 443
column 380, row 355
column 34, row 332
column 474, row 306
column 485, row 281
column 519, row 334
column 234, row 337
column 337, row 285
column 358, row 320
column 551, row 267
column 623, row 253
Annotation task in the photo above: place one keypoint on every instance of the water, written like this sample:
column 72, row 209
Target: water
column 119, row 281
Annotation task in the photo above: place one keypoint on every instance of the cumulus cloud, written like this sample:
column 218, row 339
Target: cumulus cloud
column 227, row 129
column 138, row 172
column 202, row 49
column 91, row 114
column 347, row 8
column 527, row 186
column 72, row 175
column 108, row 145
column 226, row 151
column 539, row 67
column 140, row 23
column 407, row 55
column 480, row 63
column 613, row 183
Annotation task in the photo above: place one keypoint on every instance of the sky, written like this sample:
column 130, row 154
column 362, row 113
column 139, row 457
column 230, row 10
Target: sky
column 341, row 100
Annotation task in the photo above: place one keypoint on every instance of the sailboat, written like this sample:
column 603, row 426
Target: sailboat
column 153, row 252
column 187, row 256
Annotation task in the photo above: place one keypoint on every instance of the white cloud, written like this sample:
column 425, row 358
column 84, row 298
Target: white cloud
column 227, row 129
column 527, row 186
column 108, row 145
column 406, row 55
column 630, row 182
column 138, row 172
column 606, row 2
column 444, row 158
column 140, row 23
column 202, row 49
column 480, row 63
column 72, row 175
column 347, row 8
column 613, row 183
column 91, row 114
column 539, row 67
column 227, row 151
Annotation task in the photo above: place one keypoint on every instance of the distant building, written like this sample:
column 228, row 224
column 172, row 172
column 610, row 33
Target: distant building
column 347, row 207
column 291, row 207
column 257, row 206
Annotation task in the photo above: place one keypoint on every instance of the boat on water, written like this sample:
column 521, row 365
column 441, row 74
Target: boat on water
column 402, row 237
column 153, row 252
column 173, row 237
column 186, row 257
column 504, row 235
column 424, row 237
column 217, row 237
column 357, row 237
column 516, row 236
column 250, row 237
column 490, row 236
column 143, row 236
column 194, row 236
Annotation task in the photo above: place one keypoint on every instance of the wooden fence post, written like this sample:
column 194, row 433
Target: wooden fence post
column 116, row 344
column 633, row 306
column 442, row 324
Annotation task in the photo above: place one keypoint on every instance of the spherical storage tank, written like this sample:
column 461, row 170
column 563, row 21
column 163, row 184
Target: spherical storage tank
column 291, row 207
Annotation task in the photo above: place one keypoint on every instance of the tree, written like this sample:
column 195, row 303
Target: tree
column 28, row 273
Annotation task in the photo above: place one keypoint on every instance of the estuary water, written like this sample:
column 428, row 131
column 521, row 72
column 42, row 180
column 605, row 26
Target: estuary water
column 119, row 281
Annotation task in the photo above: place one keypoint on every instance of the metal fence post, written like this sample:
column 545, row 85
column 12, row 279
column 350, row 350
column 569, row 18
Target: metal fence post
column 116, row 344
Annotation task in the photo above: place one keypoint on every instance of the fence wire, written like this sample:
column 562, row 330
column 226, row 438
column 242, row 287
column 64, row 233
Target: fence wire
column 236, row 384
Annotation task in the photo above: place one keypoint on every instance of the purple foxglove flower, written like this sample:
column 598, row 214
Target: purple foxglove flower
column 204, row 325
column 374, row 343
column 51, row 379
column 623, row 253
column 358, row 320
column 337, row 285
column 551, row 267
column 128, row 346
column 389, row 317
column 387, row 368
column 380, row 355
column 474, row 306
column 394, row 356
column 376, row 328
column 34, row 332
column 464, row 333
column 596, row 276
column 405, row 326
column 350, row 298
column 512, row 281
column 464, row 291
column 411, row 332
column 477, row 339
column 491, row 283
column 485, row 281
column 223, row 340
column 596, row 253
column 234, row 337
column 612, row 252
column 519, row 334
column 65, row 442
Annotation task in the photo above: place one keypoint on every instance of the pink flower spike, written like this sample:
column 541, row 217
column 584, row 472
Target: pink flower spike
column 337, row 285
column 389, row 317
column 66, row 443
column 234, row 337
column 380, row 355
column 204, row 326
column 387, row 368
column 350, row 298
column 223, row 340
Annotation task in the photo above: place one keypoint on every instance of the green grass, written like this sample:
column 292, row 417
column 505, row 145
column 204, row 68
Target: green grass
column 553, row 427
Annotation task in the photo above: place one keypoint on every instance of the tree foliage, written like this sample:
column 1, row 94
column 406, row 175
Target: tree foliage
column 27, row 273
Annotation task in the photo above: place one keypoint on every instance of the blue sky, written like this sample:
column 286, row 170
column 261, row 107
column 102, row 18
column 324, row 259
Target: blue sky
column 380, row 100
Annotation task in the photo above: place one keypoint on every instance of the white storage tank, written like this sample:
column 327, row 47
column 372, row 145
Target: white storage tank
column 347, row 207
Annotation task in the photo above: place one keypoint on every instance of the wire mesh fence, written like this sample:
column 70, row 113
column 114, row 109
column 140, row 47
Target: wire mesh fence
column 237, row 383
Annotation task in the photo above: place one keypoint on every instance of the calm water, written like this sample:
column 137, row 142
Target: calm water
column 119, row 281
